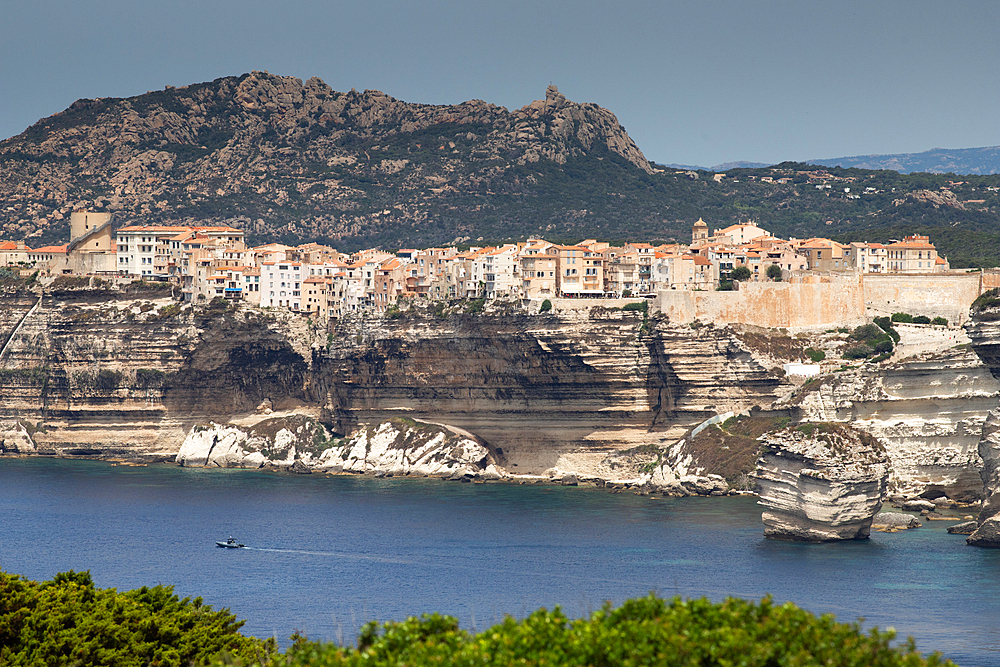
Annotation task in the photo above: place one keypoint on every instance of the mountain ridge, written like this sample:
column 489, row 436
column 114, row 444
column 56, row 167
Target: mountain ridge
column 960, row 161
column 302, row 151
column 293, row 161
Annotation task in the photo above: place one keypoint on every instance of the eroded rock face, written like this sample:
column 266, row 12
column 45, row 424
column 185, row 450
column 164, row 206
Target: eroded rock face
column 984, row 331
column 395, row 447
column 820, row 482
column 555, row 396
column 928, row 410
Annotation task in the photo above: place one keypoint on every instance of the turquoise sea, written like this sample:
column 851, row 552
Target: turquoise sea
column 328, row 553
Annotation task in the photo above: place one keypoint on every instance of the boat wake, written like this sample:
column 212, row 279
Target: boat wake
column 333, row 554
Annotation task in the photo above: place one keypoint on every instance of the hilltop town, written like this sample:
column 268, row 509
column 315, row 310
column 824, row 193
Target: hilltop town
column 209, row 262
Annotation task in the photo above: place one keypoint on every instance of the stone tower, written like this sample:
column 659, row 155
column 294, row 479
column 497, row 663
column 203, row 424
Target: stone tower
column 699, row 234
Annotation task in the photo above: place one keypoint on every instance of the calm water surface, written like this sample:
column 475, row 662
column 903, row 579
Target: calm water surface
column 328, row 553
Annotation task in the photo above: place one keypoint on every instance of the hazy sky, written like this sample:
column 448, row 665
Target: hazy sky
column 699, row 82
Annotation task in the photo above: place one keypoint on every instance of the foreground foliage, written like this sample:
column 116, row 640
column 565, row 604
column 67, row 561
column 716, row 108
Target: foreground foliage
column 646, row 631
column 68, row 621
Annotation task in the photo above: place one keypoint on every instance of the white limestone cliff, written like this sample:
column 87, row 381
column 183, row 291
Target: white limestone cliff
column 928, row 410
column 394, row 447
column 820, row 482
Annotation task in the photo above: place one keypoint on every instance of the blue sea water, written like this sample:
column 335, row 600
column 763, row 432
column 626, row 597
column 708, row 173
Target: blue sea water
column 329, row 553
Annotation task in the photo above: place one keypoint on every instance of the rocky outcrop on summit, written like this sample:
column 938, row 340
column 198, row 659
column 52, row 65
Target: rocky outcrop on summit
column 820, row 482
column 282, row 158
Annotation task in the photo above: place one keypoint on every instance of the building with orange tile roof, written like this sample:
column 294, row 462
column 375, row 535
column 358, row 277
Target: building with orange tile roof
column 914, row 254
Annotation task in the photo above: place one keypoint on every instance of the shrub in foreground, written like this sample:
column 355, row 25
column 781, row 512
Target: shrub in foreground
column 645, row 631
column 68, row 621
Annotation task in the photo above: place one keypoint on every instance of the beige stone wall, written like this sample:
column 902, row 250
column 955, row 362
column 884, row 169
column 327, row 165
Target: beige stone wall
column 582, row 306
column 948, row 296
column 809, row 301
column 823, row 301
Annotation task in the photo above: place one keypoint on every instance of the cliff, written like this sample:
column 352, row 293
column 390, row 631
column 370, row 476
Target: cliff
column 984, row 331
column 601, row 395
column 928, row 410
column 820, row 482
column 121, row 375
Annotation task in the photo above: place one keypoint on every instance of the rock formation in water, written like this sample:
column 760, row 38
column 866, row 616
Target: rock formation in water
column 820, row 482
column 892, row 521
column 396, row 447
column 928, row 410
column 984, row 331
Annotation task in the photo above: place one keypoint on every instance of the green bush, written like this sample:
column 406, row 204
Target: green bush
column 885, row 324
column 475, row 306
column 857, row 352
column 921, row 319
column 107, row 380
column 149, row 378
column 815, row 355
column 883, row 347
column 740, row 273
column 988, row 299
column 545, row 307
column 725, row 286
column 940, row 321
column 867, row 332
column 641, row 306
column 774, row 272
column 906, row 318
column 645, row 631
column 68, row 621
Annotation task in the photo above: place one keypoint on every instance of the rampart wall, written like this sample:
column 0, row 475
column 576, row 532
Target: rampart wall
column 947, row 296
column 813, row 300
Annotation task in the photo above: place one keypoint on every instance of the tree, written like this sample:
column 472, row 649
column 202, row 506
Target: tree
column 774, row 272
column 643, row 631
column 741, row 273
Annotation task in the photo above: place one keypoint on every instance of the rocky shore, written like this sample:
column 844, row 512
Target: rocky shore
column 599, row 396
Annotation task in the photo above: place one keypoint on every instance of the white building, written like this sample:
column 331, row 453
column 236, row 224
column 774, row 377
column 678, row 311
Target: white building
column 281, row 285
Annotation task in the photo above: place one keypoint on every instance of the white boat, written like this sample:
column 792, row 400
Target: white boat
column 230, row 544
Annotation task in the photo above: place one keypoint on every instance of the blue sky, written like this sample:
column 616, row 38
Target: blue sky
column 700, row 82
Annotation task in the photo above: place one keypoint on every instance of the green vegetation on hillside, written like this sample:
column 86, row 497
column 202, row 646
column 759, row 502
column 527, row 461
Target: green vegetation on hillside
column 331, row 167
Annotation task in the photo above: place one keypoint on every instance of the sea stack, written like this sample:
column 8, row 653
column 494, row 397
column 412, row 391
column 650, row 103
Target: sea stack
column 987, row 533
column 820, row 482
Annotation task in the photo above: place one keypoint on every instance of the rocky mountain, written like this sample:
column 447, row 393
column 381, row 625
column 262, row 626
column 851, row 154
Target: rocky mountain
column 935, row 161
column 287, row 159
column 292, row 161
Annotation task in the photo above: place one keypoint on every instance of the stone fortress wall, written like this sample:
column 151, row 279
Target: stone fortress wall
column 814, row 300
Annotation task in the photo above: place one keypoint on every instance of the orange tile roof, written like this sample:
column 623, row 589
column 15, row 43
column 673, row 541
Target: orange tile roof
column 155, row 229
column 52, row 249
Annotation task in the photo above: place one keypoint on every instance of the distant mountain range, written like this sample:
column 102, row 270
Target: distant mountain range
column 935, row 161
column 959, row 161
